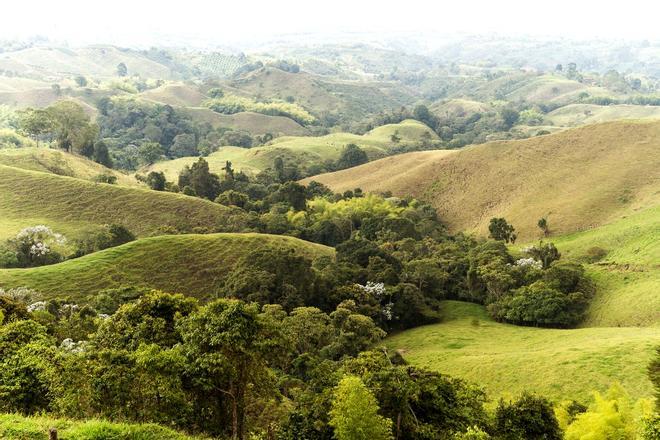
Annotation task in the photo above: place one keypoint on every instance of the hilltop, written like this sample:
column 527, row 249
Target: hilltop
column 508, row 359
column 346, row 100
column 305, row 150
column 577, row 178
column 191, row 264
column 73, row 206
column 61, row 163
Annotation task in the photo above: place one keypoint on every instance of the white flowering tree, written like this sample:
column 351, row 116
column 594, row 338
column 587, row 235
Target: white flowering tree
column 378, row 292
column 37, row 245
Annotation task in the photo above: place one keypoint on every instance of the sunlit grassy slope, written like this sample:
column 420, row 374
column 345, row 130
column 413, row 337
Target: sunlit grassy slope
column 59, row 162
column 507, row 359
column 578, row 178
column 73, row 206
column 628, row 275
column 17, row 427
column 191, row 264
column 305, row 150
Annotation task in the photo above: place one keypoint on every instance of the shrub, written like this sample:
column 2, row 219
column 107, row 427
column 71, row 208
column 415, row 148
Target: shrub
column 528, row 418
column 105, row 178
column 36, row 246
column 595, row 254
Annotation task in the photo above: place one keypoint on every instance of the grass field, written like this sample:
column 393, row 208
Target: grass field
column 254, row 123
column 581, row 114
column 508, row 359
column 191, row 264
column 17, row 427
column 72, row 206
column 576, row 178
column 628, row 276
column 303, row 150
column 61, row 163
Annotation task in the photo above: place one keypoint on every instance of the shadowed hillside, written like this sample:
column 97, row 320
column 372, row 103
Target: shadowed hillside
column 190, row 264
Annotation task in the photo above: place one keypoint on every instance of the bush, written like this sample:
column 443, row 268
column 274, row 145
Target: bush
column 110, row 236
column 528, row 418
column 105, row 178
column 595, row 254
column 36, row 246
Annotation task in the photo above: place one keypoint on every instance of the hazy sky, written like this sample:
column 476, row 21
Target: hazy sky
column 214, row 21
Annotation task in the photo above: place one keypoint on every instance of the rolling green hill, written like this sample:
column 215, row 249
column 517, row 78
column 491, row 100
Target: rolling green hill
column 582, row 114
column 73, row 206
column 347, row 100
column 304, row 150
column 578, row 179
column 58, row 162
column 628, row 273
column 191, row 264
column 175, row 94
column 507, row 359
column 254, row 123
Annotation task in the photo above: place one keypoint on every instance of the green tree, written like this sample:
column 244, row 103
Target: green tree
column 81, row 81
column 293, row 194
column 500, row 230
column 354, row 414
column 102, row 155
column 351, row 156
column 184, row 144
column 509, row 117
column 70, row 126
column 528, row 418
column 156, row 180
column 546, row 253
column 35, row 123
column 543, row 226
column 221, row 343
column 122, row 70
column 150, row 152
column 201, row 181
column 26, row 367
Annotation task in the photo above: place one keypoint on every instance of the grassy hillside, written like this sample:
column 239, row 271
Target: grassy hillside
column 16, row 427
column 72, row 206
column 551, row 88
column 254, row 123
column 175, row 94
column 190, row 264
column 628, row 275
column 348, row 100
column 582, row 114
column 59, row 162
column 304, row 150
column 98, row 61
column 382, row 174
column 561, row 364
column 578, row 179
